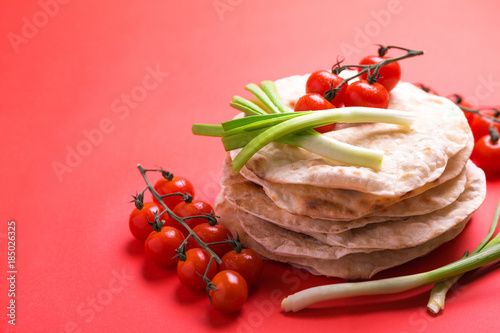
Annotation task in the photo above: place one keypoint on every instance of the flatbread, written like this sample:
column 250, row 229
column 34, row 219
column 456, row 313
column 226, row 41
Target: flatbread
column 293, row 206
column 350, row 267
column 341, row 204
column 250, row 197
column 418, row 229
column 405, row 233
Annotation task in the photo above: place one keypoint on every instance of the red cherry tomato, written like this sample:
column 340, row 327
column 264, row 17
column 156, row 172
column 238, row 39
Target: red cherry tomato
column 487, row 154
column 389, row 74
column 138, row 221
column 160, row 246
column 362, row 93
column 248, row 263
column 196, row 263
column 193, row 208
column 315, row 102
column 480, row 125
column 321, row 81
column 212, row 234
column 176, row 185
column 231, row 291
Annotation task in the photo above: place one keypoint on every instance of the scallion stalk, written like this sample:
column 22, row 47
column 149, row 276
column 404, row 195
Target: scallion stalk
column 439, row 291
column 255, row 122
column 307, row 297
column 270, row 90
column 246, row 106
column 208, row 130
column 261, row 95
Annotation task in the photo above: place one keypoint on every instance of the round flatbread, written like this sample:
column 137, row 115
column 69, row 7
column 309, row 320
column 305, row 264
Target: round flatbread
column 353, row 266
column 250, row 197
column 344, row 205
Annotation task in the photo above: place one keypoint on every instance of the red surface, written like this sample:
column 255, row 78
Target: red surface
column 68, row 72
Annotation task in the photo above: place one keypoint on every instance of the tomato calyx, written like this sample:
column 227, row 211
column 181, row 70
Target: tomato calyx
column 236, row 243
column 494, row 136
column 186, row 197
column 382, row 50
column 456, row 98
column 180, row 253
column 210, row 286
column 138, row 200
column 331, row 93
column 373, row 76
column 167, row 174
column 157, row 224
column 210, row 217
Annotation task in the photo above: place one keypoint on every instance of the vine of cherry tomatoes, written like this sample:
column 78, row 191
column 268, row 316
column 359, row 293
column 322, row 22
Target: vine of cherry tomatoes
column 378, row 75
column 205, row 254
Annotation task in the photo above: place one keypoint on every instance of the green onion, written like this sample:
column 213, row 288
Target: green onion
column 208, row 130
column 246, row 106
column 261, row 95
column 279, row 124
column 314, row 295
column 489, row 253
column 260, row 121
column 438, row 292
column 327, row 147
column 239, row 140
column 270, row 90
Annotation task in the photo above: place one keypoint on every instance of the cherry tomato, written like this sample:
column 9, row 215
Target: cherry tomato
column 138, row 221
column 487, row 154
column 321, row 81
column 231, row 291
column 248, row 263
column 362, row 93
column 176, row 185
column 193, row 208
column 426, row 88
column 389, row 74
column 480, row 125
column 212, row 234
column 457, row 99
column 160, row 246
column 196, row 263
column 315, row 102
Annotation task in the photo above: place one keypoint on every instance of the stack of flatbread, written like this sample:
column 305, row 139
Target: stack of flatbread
column 293, row 206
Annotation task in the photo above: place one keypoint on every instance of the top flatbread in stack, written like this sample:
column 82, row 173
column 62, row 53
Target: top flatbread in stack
column 293, row 206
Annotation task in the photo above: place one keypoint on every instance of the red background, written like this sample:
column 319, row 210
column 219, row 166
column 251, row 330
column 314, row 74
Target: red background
column 67, row 68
